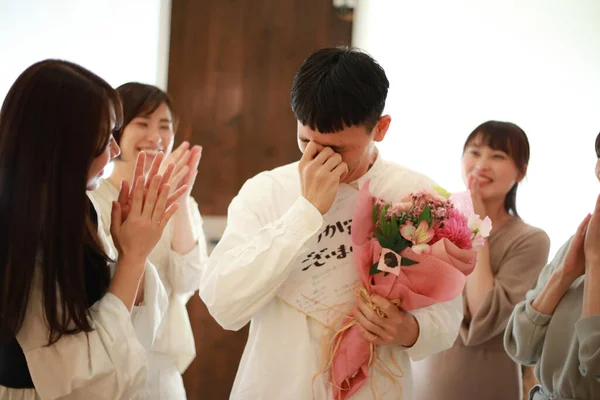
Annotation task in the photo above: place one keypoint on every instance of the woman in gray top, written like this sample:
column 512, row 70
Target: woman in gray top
column 557, row 327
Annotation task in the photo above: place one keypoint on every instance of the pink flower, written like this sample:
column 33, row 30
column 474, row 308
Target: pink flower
column 380, row 203
column 433, row 200
column 439, row 213
column 480, row 228
column 396, row 208
column 434, row 195
column 456, row 229
column 419, row 236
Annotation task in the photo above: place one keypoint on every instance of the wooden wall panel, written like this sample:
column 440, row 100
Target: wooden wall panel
column 231, row 66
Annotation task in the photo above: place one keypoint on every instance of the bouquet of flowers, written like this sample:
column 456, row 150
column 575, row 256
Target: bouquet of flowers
column 415, row 253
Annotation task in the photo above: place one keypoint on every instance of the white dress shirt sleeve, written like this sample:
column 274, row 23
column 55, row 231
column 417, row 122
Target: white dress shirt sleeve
column 252, row 261
column 439, row 325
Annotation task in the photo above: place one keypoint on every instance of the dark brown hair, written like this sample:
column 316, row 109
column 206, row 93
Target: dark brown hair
column 509, row 138
column 598, row 145
column 55, row 120
column 337, row 87
column 140, row 99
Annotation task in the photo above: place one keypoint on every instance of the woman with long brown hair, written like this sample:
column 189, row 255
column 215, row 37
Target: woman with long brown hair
column 149, row 126
column 66, row 326
column 494, row 162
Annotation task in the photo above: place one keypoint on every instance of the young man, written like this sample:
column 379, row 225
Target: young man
column 281, row 217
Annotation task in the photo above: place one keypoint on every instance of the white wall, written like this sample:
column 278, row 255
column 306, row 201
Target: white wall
column 120, row 40
column 455, row 64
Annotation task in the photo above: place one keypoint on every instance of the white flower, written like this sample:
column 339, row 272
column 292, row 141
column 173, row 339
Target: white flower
column 480, row 227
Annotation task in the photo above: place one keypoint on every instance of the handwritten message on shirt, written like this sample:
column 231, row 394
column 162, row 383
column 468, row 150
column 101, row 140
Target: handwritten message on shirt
column 324, row 279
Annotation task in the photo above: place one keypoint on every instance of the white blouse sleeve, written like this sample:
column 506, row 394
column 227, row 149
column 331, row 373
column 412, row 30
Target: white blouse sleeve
column 108, row 362
column 145, row 318
column 185, row 270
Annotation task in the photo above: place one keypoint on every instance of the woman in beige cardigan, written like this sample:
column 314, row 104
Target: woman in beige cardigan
column 494, row 161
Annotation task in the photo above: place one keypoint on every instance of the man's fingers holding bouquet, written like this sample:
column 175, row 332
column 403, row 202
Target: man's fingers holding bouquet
column 384, row 323
column 371, row 331
column 376, row 320
column 371, row 337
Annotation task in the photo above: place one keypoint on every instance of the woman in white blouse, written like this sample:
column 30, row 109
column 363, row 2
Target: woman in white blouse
column 149, row 126
column 66, row 324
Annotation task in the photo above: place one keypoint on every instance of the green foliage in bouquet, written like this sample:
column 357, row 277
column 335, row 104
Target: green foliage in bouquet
column 387, row 230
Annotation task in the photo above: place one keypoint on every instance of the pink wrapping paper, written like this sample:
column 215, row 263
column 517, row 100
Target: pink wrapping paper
column 438, row 277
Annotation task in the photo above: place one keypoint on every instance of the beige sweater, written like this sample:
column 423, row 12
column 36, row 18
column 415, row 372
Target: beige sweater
column 564, row 347
column 477, row 367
